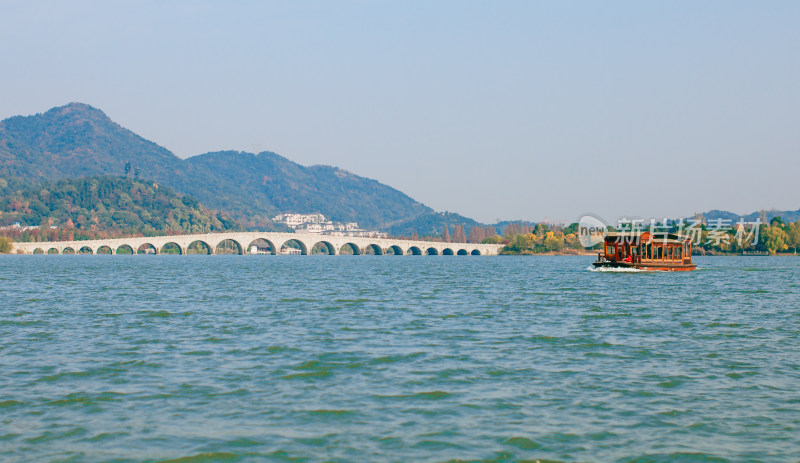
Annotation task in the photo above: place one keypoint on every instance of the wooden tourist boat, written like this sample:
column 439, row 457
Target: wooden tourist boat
column 646, row 251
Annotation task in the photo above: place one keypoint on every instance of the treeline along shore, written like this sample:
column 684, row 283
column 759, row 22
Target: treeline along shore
column 773, row 238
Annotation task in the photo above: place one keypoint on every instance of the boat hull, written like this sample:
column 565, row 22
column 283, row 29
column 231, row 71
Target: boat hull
column 648, row 266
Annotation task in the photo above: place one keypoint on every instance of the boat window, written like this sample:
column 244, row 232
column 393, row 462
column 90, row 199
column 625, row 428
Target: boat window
column 611, row 250
column 679, row 253
column 659, row 252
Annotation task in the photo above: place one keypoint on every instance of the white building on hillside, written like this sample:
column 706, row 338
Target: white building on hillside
column 316, row 223
column 294, row 220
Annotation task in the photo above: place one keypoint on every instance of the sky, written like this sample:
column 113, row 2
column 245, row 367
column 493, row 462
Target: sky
column 502, row 110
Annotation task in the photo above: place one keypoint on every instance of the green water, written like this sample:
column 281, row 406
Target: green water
column 379, row 358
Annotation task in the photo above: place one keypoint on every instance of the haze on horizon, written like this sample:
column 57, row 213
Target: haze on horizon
column 511, row 110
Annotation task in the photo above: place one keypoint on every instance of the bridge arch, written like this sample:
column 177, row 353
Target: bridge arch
column 38, row 251
column 475, row 252
column 146, row 248
column 66, row 250
column 293, row 245
column 228, row 246
column 350, row 248
column 199, row 247
column 414, row 251
column 105, row 249
column 171, row 248
column 447, row 252
column 432, row 252
column 124, row 249
column 462, row 252
column 86, row 250
column 394, row 250
column 323, row 247
column 373, row 249
column 262, row 246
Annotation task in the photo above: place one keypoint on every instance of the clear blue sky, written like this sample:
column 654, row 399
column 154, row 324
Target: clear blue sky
column 490, row 109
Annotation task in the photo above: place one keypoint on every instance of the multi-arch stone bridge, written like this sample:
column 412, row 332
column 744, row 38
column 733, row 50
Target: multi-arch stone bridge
column 259, row 242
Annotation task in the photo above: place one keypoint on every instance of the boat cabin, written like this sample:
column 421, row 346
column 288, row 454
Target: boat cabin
column 646, row 251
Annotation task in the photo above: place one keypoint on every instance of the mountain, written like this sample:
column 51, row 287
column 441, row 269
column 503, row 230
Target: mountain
column 79, row 140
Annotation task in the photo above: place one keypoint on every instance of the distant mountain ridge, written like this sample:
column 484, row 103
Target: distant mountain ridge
column 79, row 140
column 787, row 216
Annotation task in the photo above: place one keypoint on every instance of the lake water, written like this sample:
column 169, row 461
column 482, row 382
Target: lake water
column 379, row 358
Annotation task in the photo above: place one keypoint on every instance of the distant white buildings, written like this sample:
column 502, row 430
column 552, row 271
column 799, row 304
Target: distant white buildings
column 318, row 224
column 18, row 226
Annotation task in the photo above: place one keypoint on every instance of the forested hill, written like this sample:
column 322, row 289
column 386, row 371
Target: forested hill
column 267, row 181
column 78, row 140
column 92, row 207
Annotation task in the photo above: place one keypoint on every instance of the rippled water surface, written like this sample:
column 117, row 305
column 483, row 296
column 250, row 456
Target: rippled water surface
column 379, row 358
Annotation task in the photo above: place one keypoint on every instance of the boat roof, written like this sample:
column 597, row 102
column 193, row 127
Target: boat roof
column 662, row 237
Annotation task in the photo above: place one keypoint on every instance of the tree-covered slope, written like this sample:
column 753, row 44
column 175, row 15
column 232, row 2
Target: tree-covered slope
column 107, row 206
column 78, row 140
column 269, row 181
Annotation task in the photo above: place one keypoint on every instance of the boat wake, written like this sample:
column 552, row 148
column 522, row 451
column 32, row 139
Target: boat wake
column 592, row 268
